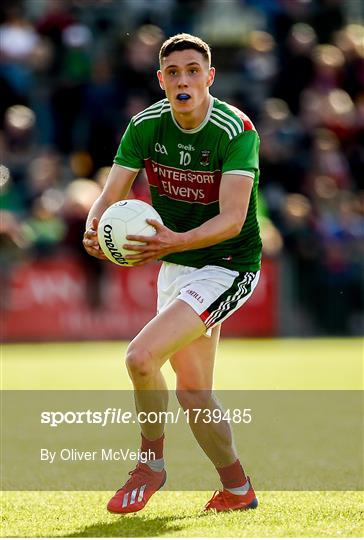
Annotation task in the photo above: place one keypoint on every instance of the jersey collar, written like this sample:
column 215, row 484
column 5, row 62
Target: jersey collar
column 203, row 123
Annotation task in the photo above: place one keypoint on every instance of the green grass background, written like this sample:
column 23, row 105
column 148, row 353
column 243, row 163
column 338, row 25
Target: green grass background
column 335, row 364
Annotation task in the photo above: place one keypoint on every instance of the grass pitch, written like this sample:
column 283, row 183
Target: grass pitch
column 177, row 514
column 242, row 364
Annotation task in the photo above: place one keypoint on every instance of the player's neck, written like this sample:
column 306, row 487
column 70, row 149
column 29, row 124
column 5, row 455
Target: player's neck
column 193, row 119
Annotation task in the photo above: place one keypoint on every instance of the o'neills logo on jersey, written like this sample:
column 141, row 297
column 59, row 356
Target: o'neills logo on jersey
column 184, row 184
column 111, row 246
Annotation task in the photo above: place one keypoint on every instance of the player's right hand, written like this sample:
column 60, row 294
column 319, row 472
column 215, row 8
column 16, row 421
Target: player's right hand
column 91, row 243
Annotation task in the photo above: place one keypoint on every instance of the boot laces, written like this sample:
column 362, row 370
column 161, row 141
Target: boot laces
column 136, row 474
column 218, row 496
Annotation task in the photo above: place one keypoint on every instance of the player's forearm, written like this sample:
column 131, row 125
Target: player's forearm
column 117, row 188
column 215, row 230
column 97, row 209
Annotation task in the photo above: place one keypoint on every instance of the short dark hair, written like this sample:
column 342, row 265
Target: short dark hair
column 181, row 42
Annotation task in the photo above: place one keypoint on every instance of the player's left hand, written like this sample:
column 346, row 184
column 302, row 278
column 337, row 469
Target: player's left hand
column 162, row 243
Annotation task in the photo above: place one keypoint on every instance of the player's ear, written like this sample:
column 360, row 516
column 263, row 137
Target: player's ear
column 160, row 79
column 211, row 76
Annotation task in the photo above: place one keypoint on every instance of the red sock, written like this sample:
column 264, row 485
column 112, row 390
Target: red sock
column 232, row 476
column 154, row 446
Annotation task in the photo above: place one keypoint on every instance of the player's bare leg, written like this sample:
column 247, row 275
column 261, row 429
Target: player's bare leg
column 194, row 365
column 160, row 338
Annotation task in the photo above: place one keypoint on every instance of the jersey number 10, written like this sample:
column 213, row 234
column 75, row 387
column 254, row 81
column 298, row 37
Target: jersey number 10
column 185, row 158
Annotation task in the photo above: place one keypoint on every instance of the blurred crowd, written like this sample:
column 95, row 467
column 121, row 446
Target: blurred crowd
column 72, row 73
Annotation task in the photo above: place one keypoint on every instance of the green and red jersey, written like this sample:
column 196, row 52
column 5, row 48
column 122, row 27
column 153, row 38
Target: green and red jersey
column 184, row 170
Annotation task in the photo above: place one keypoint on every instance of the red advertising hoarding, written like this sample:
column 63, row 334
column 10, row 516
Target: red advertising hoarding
column 48, row 300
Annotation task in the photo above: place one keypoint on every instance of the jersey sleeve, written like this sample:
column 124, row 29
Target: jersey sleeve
column 129, row 154
column 242, row 155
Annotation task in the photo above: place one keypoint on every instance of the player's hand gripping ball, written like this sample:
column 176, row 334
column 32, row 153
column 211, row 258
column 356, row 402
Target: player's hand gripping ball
column 121, row 219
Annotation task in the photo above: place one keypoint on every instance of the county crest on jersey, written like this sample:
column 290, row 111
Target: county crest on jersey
column 184, row 170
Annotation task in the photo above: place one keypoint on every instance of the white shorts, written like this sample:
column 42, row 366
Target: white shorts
column 213, row 292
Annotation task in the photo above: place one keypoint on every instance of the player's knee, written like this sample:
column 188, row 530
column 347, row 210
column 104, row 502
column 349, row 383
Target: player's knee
column 139, row 362
column 193, row 399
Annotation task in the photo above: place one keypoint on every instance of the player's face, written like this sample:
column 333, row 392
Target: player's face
column 185, row 76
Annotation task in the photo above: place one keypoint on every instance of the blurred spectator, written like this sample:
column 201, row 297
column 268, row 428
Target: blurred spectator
column 355, row 146
column 298, row 227
column 136, row 62
column 44, row 229
column 327, row 159
column 54, row 20
column 69, row 92
column 79, row 196
column 326, row 17
column 296, row 65
column 44, row 172
column 283, row 149
column 13, row 246
column 102, row 113
column 350, row 41
column 340, row 283
column 258, row 66
column 18, row 41
column 17, row 141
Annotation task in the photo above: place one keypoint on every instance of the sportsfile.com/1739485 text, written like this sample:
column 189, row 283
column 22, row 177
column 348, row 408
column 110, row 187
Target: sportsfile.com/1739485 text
column 119, row 416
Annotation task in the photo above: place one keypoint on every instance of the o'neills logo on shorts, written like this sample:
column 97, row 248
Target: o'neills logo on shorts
column 111, row 246
column 195, row 295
